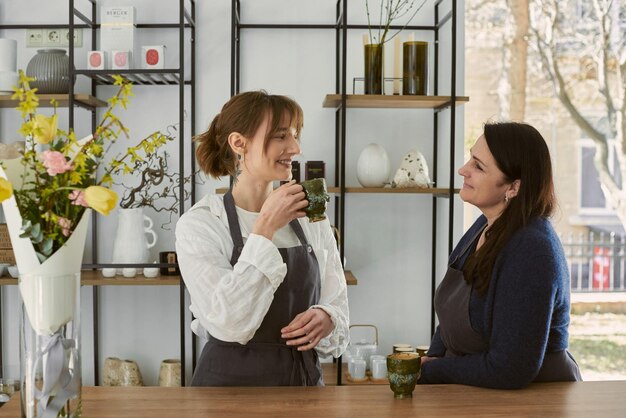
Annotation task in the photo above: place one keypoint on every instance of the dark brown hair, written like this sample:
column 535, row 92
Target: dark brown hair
column 243, row 113
column 521, row 154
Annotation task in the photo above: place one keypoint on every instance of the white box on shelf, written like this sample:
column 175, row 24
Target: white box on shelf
column 153, row 56
column 96, row 60
column 120, row 60
column 117, row 31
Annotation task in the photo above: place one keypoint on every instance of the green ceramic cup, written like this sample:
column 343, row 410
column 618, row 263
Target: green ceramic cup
column 317, row 195
column 403, row 370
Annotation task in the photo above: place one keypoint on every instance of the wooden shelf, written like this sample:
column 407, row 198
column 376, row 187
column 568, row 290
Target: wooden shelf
column 350, row 279
column 84, row 100
column 392, row 102
column 95, row 278
column 407, row 190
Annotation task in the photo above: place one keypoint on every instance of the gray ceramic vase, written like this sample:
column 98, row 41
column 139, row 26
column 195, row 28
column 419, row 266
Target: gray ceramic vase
column 50, row 67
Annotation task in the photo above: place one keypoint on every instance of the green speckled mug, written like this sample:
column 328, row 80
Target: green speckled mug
column 403, row 370
column 317, row 195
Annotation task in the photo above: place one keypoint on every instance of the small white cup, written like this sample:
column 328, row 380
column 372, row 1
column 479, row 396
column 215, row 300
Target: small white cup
column 351, row 364
column 151, row 272
column 373, row 357
column 129, row 272
column 358, row 368
column 109, row 272
column 379, row 368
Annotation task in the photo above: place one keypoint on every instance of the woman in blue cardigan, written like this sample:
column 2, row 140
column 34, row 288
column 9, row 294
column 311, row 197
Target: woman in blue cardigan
column 504, row 303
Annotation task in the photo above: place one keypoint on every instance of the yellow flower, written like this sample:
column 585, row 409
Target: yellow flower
column 45, row 128
column 100, row 199
column 6, row 189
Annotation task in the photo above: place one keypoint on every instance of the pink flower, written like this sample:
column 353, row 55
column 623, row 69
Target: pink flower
column 78, row 198
column 65, row 225
column 55, row 162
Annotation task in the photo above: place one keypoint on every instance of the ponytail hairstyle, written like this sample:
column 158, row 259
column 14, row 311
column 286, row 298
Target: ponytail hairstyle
column 243, row 113
column 521, row 154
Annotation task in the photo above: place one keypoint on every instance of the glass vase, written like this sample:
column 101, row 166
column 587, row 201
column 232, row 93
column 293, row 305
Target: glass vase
column 415, row 68
column 50, row 346
column 374, row 68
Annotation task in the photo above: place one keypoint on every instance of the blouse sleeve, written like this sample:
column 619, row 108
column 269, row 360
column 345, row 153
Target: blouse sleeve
column 334, row 299
column 229, row 302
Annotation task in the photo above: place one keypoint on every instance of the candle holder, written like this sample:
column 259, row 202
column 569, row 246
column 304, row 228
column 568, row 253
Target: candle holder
column 415, row 68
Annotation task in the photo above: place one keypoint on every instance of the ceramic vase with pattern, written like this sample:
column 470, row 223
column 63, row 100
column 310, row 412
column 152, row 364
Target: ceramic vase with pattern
column 50, row 68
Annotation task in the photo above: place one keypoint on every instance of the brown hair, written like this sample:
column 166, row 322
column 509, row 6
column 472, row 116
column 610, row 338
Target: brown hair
column 521, row 154
column 243, row 113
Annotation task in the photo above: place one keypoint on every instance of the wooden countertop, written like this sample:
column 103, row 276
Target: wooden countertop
column 582, row 399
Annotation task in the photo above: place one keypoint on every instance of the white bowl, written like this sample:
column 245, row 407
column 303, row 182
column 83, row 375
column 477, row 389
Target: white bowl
column 13, row 271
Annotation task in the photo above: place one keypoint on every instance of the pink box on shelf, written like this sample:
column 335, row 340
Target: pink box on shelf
column 96, row 60
column 120, row 60
column 153, row 56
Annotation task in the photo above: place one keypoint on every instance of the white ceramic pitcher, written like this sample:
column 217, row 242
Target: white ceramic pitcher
column 131, row 244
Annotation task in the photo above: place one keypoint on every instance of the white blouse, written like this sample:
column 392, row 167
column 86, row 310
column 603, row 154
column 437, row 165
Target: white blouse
column 230, row 302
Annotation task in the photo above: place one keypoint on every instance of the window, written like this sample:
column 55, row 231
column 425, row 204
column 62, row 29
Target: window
column 592, row 200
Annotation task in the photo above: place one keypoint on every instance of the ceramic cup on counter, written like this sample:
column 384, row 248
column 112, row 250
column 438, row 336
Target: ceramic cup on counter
column 169, row 373
column 421, row 350
column 403, row 370
column 111, row 371
column 400, row 346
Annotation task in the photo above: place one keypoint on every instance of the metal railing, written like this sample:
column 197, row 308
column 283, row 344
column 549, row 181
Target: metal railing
column 596, row 261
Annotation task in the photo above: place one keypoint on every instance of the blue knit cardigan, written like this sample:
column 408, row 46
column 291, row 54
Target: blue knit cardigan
column 523, row 315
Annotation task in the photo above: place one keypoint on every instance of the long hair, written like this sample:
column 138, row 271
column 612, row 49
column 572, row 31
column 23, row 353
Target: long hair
column 243, row 113
column 521, row 154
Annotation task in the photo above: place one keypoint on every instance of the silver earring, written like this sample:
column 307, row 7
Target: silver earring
column 506, row 199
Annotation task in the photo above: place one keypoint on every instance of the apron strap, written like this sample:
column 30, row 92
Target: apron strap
column 468, row 245
column 233, row 225
column 297, row 228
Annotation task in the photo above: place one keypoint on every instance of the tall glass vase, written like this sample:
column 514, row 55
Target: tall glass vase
column 50, row 346
column 374, row 65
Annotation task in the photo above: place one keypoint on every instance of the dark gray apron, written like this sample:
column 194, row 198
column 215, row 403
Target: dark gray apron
column 266, row 360
column 452, row 301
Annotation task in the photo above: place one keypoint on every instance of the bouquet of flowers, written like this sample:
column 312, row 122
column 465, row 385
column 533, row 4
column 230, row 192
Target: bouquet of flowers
column 61, row 176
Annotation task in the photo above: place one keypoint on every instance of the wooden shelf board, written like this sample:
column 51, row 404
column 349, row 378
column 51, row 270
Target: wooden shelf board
column 95, row 278
column 62, row 99
column 410, row 190
column 350, row 279
column 392, row 102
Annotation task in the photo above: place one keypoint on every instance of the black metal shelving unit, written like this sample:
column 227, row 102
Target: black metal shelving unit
column 341, row 26
column 153, row 77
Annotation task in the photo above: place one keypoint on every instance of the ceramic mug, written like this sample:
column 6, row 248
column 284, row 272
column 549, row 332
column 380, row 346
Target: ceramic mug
column 169, row 373
column 397, row 346
column 422, row 350
column 403, row 371
column 130, row 374
column 111, row 371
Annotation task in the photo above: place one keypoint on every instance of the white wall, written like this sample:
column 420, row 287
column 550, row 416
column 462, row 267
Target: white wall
column 388, row 237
